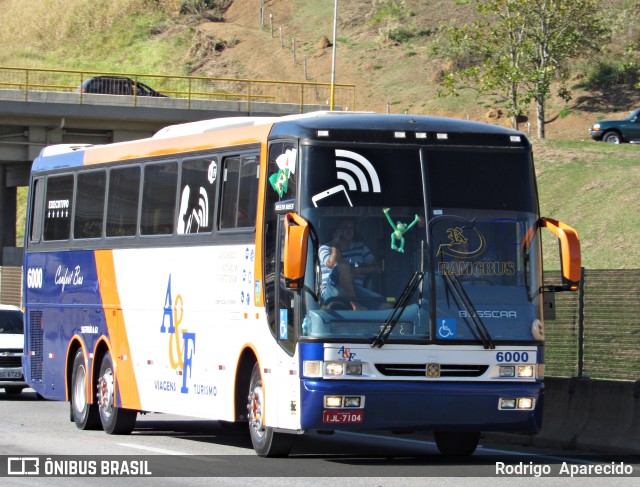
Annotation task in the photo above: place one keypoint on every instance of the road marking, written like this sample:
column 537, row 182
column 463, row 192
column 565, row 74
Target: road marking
column 481, row 448
column 152, row 449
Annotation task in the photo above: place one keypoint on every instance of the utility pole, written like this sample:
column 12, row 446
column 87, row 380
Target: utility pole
column 333, row 64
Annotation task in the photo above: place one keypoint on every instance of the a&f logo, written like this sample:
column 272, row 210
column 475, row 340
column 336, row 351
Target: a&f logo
column 346, row 353
column 180, row 354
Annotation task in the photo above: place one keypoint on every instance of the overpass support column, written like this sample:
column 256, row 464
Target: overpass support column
column 7, row 219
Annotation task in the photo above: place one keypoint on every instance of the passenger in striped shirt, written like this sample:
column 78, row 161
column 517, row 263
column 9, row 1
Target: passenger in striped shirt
column 344, row 265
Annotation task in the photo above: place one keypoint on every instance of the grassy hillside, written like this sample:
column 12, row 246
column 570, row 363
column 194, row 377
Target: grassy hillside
column 593, row 187
column 385, row 48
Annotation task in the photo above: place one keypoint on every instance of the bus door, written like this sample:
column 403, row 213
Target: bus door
column 284, row 301
column 286, row 320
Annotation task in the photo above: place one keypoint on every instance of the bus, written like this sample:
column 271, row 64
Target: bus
column 186, row 273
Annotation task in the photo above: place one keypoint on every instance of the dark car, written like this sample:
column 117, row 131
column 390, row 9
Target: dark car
column 117, row 85
column 618, row 131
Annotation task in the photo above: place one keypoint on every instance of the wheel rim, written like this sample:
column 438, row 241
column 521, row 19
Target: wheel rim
column 80, row 390
column 255, row 410
column 105, row 393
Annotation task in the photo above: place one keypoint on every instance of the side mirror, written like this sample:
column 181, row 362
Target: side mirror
column 296, row 238
column 570, row 258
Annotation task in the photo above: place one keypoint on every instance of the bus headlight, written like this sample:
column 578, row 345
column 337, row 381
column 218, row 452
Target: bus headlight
column 525, row 403
column 525, row 371
column 343, row 368
column 332, row 401
column 334, row 368
column 507, row 403
column 352, row 401
column 344, row 402
column 507, row 371
column 520, row 371
column 516, row 403
column 312, row 368
column 318, row 368
column 353, row 368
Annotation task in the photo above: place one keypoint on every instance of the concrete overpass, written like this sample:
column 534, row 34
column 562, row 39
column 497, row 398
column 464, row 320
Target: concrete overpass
column 30, row 120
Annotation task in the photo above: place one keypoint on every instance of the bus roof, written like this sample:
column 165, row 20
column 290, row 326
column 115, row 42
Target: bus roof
column 183, row 137
column 203, row 126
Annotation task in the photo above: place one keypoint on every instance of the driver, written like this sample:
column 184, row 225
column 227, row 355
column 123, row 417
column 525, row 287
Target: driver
column 344, row 264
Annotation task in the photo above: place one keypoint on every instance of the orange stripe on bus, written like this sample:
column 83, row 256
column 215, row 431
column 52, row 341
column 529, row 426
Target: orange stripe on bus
column 120, row 349
column 177, row 145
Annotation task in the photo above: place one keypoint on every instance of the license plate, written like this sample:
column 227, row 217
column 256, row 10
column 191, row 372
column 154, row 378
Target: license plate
column 343, row 416
column 10, row 374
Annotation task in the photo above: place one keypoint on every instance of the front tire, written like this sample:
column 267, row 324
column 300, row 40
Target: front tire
column 115, row 420
column 13, row 389
column 457, row 443
column 83, row 414
column 612, row 137
column 266, row 442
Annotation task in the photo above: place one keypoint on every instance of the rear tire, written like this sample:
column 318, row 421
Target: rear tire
column 83, row 414
column 115, row 420
column 266, row 442
column 457, row 443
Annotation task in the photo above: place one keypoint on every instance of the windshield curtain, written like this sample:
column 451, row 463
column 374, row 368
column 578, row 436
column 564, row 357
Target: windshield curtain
column 374, row 198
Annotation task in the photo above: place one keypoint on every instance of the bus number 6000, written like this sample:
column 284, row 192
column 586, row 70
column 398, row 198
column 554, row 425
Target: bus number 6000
column 512, row 357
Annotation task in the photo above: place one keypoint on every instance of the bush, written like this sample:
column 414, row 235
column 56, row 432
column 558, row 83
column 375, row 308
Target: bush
column 212, row 9
column 607, row 75
column 404, row 34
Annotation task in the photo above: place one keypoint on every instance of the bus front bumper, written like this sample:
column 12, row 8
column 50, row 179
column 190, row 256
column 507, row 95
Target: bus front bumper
column 422, row 406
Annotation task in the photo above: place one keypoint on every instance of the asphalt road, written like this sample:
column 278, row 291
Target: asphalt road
column 170, row 450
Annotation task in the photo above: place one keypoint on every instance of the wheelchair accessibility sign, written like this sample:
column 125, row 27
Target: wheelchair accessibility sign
column 284, row 321
column 446, row 328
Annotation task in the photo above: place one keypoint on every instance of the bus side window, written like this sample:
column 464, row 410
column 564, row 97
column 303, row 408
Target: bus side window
column 159, row 198
column 239, row 192
column 122, row 205
column 248, row 194
column 36, row 211
column 89, row 204
column 57, row 217
column 197, row 195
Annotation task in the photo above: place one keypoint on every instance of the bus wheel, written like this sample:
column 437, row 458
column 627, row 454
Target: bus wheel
column 83, row 414
column 13, row 389
column 115, row 420
column 457, row 443
column 266, row 442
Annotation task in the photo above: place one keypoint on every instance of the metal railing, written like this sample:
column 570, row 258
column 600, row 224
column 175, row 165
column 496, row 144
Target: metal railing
column 596, row 332
column 187, row 92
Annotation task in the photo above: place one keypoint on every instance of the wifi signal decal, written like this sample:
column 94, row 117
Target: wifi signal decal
column 349, row 171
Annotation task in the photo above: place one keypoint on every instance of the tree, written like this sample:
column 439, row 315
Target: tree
column 519, row 47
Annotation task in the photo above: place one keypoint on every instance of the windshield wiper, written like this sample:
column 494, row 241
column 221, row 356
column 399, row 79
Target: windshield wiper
column 462, row 299
column 398, row 309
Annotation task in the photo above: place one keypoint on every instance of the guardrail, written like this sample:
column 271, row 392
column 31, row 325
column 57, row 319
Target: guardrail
column 187, row 92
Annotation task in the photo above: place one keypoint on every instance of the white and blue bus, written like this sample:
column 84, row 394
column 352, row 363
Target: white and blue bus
column 186, row 274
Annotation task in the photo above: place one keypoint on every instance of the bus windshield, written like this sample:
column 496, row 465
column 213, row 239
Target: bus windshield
column 377, row 227
column 483, row 207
